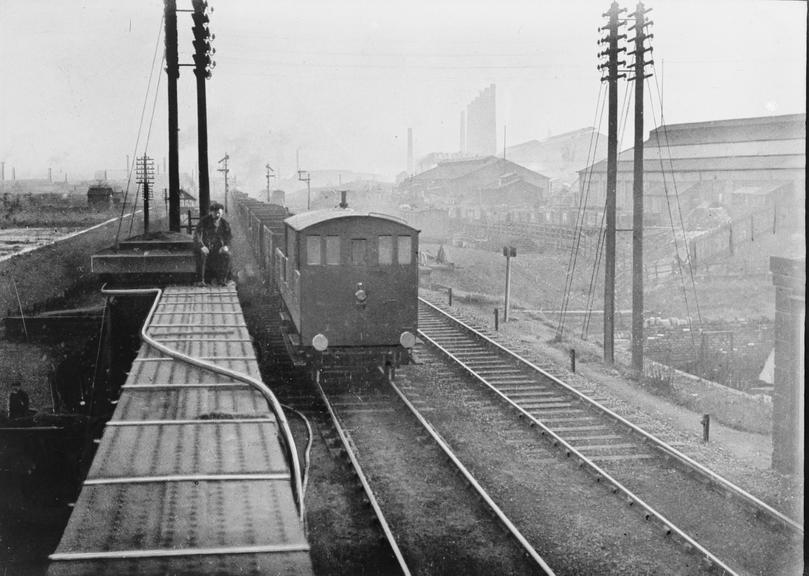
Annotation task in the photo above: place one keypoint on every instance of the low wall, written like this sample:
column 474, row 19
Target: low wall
column 731, row 407
column 36, row 275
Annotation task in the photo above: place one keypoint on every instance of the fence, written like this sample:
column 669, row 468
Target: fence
column 729, row 353
column 723, row 240
column 529, row 237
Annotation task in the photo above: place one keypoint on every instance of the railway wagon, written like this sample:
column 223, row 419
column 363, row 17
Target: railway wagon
column 349, row 284
column 264, row 225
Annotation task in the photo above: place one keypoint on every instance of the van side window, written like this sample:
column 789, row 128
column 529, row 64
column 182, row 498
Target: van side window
column 332, row 250
column 386, row 249
column 405, row 250
column 313, row 250
column 359, row 251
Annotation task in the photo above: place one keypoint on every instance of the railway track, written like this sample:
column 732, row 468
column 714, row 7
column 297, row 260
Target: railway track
column 730, row 531
column 421, row 485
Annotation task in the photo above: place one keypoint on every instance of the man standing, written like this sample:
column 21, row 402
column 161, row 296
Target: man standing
column 212, row 240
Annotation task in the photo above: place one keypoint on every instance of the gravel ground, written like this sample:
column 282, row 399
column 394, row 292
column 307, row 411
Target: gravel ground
column 578, row 526
column 742, row 457
column 439, row 524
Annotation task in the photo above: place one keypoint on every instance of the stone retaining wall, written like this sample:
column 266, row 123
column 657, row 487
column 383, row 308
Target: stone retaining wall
column 34, row 276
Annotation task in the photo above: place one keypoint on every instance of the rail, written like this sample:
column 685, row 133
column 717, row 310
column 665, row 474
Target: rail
column 547, row 570
column 571, row 450
column 714, row 477
column 365, row 484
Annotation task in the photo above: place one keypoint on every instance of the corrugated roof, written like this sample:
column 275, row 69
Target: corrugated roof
column 769, row 162
column 304, row 220
column 180, row 439
column 453, row 169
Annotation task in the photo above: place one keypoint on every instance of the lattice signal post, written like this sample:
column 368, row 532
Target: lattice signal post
column 144, row 174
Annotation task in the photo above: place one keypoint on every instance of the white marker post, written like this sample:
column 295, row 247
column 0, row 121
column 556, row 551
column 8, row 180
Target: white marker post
column 509, row 252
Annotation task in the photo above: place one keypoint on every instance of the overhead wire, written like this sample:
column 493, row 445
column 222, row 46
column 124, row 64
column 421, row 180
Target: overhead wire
column 674, row 232
column 584, row 195
column 131, row 167
column 602, row 231
column 677, row 196
column 148, row 137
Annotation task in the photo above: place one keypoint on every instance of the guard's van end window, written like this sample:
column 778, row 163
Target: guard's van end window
column 359, row 251
column 313, row 250
column 332, row 250
column 386, row 249
column 405, row 255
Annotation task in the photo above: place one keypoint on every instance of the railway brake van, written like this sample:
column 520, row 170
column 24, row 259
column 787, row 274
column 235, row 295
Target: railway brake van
column 349, row 284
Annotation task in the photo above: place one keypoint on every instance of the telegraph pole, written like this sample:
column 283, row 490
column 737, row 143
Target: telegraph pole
column 612, row 173
column 637, row 189
column 173, row 72
column 202, row 70
column 225, row 171
column 144, row 170
column 269, row 175
column 304, row 176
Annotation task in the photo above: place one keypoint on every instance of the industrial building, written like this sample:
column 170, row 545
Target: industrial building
column 741, row 164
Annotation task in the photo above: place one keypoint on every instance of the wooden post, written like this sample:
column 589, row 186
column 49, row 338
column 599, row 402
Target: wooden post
column 637, row 194
column 706, row 427
column 509, row 252
column 496, row 319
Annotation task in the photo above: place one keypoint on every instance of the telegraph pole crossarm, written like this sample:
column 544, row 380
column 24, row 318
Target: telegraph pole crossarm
column 202, row 70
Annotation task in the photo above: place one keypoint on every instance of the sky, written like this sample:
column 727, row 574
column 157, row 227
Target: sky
column 324, row 85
